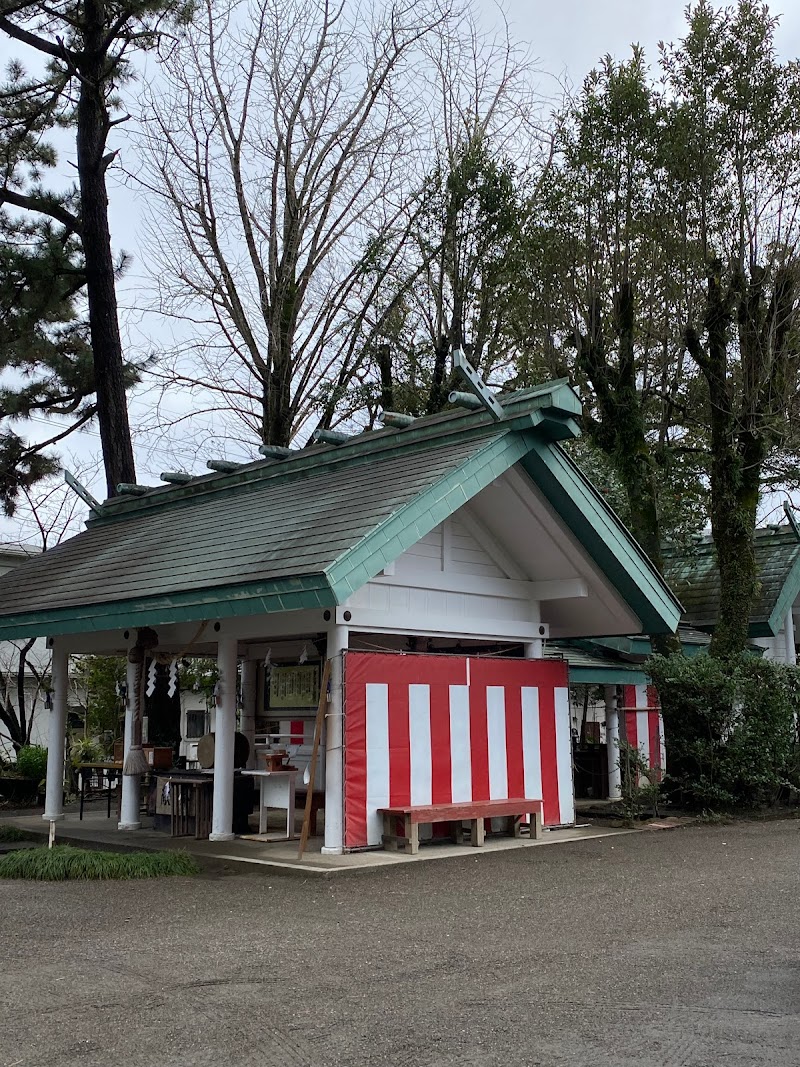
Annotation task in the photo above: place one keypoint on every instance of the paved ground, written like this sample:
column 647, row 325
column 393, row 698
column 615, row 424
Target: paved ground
column 102, row 832
column 674, row 949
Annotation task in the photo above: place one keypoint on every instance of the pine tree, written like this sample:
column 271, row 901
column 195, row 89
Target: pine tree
column 86, row 45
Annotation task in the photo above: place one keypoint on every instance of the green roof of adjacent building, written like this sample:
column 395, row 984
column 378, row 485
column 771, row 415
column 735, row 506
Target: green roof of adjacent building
column 694, row 578
column 307, row 530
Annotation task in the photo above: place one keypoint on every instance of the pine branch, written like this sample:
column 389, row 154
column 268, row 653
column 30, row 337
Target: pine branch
column 58, row 51
column 44, row 206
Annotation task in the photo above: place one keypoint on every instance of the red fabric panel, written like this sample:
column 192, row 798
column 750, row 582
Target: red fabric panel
column 514, row 762
column 631, row 728
column 547, row 742
column 296, row 732
column 479, row 740
column 519, row 672
column 441, row 780
column 355, row 752
column 399, row 745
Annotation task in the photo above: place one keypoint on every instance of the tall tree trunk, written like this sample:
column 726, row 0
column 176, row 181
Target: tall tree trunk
column 384, row 359
column 437, row 397
column 738, row 447
column 620, row 431
column 92, row 130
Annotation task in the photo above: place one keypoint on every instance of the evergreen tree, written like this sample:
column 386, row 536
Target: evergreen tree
column 86, row 48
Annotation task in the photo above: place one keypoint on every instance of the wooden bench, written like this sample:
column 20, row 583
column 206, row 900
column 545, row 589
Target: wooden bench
column 473, row 812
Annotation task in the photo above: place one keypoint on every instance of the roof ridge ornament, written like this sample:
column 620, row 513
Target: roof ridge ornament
column 330, row 437
column 788, row 510
column 476, row 384
column 83, row 492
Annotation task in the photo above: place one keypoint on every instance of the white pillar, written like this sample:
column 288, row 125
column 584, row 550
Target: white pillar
column 533, row 649
column 224, row 731
column 791, row 651
column 612, row 743
column 334, row 741
column 54, row 796
column 249, row 692
column 129, row 816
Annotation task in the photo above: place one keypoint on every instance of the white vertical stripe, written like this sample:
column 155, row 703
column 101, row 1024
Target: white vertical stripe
column 531, row 744
column 377, row 758
column 663, row 745
column 643, row 734
column 566, row 790
column 419, row 730
column 496, row 733
column 460, row 747
column 641, row 696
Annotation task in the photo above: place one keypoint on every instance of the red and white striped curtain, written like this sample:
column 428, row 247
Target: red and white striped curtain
column 427, row 729
column 642, row 726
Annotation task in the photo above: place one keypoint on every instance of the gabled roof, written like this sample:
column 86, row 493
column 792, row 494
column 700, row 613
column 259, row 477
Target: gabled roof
column 694, row 578
column 593, row 667
column 307, row 530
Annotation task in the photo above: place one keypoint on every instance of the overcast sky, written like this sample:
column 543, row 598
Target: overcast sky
column 565, row 37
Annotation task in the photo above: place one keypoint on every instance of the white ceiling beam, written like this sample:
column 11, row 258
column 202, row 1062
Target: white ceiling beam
column 560, row 589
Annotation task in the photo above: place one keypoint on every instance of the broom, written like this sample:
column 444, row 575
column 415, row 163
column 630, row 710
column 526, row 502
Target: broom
column 135, row 760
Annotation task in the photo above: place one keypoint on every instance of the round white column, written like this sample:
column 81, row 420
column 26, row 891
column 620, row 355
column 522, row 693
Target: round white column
column 54, row 795
column 129, row 816
column 791, row 651
column 334, row 744
column 612, row 740
column 249, row 691
column 224, row 731
column 533, row 649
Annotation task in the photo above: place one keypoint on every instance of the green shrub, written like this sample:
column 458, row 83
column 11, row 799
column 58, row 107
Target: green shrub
column 63, row 862
column 9, row 834
column 640, row 787
column 32, row 762
column 85, row 750
column 731, row 730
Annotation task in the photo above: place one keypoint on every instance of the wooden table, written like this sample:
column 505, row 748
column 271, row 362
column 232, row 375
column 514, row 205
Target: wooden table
column 276, row 791
column 106, row 772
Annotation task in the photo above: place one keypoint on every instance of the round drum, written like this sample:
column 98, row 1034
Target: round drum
column 205, row 750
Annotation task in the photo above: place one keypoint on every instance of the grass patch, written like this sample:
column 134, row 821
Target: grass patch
column 10, row 834
column 65, row 863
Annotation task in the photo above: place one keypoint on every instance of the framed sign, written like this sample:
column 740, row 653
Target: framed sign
column 294, row 687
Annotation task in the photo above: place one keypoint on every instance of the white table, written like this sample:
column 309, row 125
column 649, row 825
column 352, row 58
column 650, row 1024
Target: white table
column 276, row 791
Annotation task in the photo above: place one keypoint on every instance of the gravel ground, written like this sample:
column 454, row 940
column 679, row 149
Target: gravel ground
column 675, row 949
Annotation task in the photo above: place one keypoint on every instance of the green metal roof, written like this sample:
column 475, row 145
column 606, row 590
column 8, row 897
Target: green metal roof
column 308, row 530
column 694, row 577
column 586, row 668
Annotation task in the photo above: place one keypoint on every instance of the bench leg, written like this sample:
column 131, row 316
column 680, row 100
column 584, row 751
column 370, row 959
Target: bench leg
column 389, row 837
column 478, row 832
column 412, row 836
column 457, row 829
column 514, row 825
column 536, row 824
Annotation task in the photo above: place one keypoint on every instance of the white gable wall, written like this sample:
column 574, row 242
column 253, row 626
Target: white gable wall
column 502, row 567
column 447, row 583
column 449, row 548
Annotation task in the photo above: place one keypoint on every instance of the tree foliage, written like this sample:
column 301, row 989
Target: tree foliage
column 665, row 281
column 45, row 358
column 85, row 47
column 98, row 679
column 731, row 728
